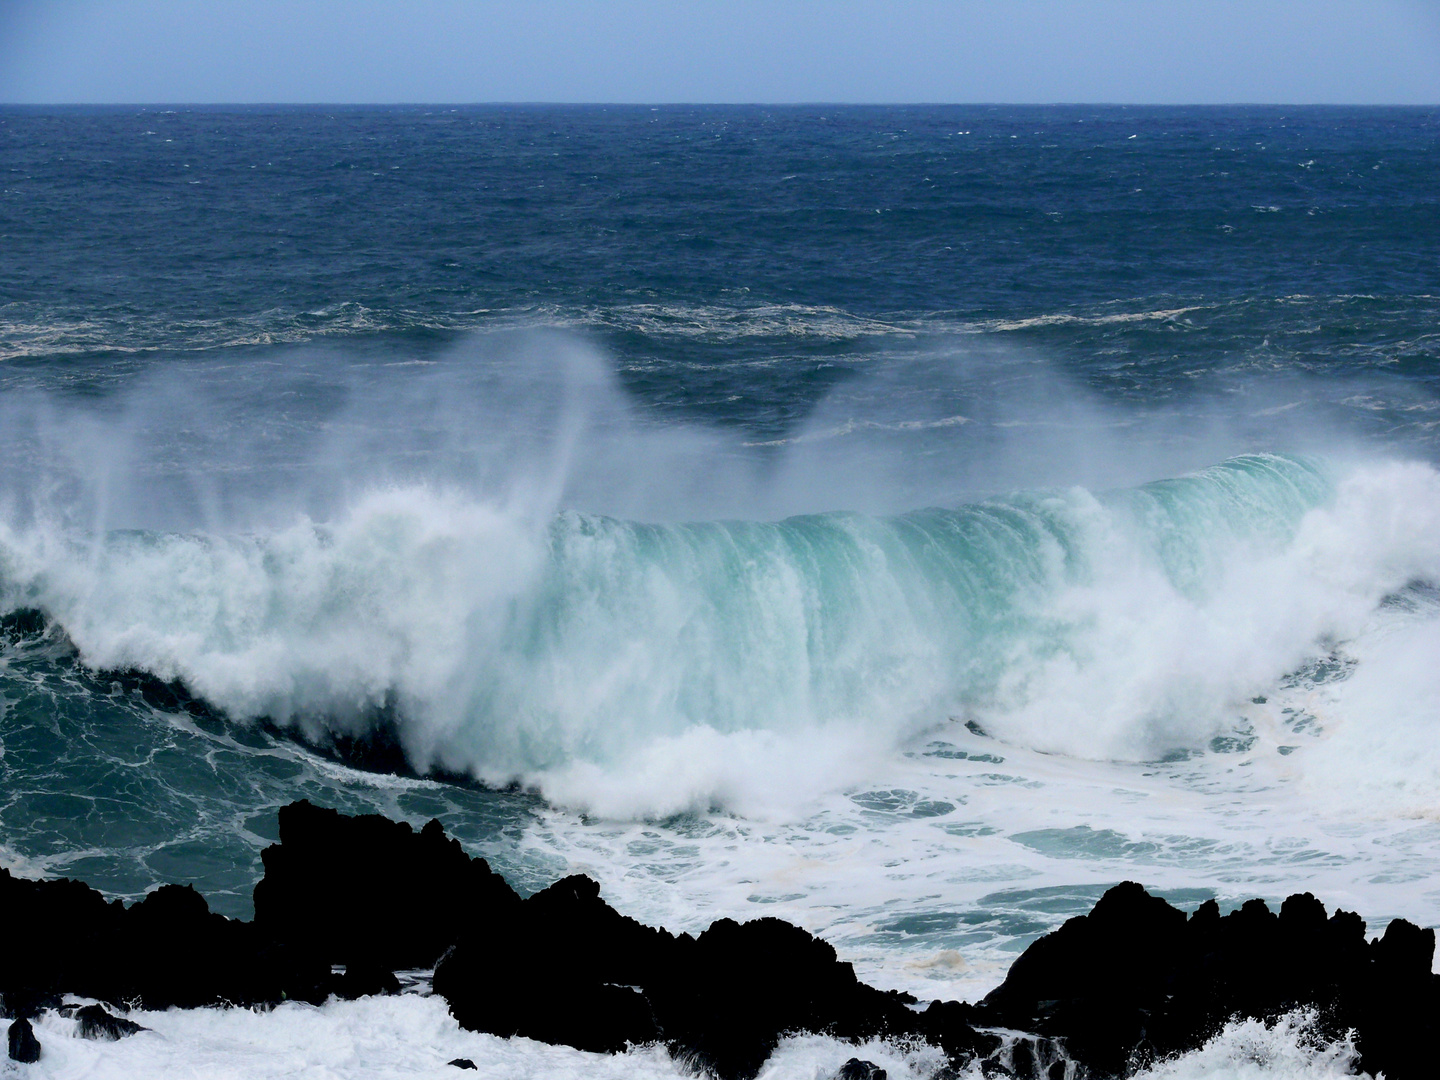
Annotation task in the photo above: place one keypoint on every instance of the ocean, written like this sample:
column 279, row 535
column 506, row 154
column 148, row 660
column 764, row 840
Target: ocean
column 907, row 522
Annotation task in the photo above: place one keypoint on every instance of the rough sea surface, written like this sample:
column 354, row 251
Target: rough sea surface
column 904, row 521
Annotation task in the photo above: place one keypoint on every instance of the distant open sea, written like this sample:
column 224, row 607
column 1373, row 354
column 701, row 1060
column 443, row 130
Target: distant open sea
column 907, row 522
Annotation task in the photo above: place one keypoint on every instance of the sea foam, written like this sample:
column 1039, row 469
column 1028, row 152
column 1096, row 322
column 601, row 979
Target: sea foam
column 577, row 649
column 414, row 1036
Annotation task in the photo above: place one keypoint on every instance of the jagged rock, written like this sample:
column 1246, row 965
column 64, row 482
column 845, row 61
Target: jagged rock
column 1135, row 980
column 950, row 1026
column 748, row 984
column 561, row 967
column 24, row 1046
column 855, row 1069
column 567, row 968
column 1132, row 981
column 167, row 950
column 364, row 892
column 374, row 895
column 96, row 1023
column 175, row 952
column 372, row 891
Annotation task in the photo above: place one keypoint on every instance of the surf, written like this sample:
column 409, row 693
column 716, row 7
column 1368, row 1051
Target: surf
column 1112, row 625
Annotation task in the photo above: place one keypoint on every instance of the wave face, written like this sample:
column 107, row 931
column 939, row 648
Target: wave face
column 1116, row 625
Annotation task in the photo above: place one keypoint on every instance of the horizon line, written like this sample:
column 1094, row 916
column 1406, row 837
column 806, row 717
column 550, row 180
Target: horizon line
column 543, row 103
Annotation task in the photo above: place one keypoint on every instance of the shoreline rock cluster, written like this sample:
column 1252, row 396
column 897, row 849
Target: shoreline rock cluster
column 1136, row 981
column 347, row 901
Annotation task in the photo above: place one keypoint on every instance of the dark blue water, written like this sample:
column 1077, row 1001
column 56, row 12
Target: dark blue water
column 1300, row 236
column 358, row 420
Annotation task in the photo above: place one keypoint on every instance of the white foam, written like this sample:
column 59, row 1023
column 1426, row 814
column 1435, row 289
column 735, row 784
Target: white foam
column 642, row 671
column 413, row 1036
column 1249, row 1050
column 759, row 775
column 1159, row 665
column 1377, row 754
column 369, row 1039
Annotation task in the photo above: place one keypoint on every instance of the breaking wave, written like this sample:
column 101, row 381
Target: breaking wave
column 1115, row 625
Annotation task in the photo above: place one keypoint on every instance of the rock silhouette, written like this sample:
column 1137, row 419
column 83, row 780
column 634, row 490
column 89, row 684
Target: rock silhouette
column 579, row 973
column 166, row 950
column 370, row 891
column 24, row 1046
column 346, row 901
column 1135, row 980
column 96, row 1023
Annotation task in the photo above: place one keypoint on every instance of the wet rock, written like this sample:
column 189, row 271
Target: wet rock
column 373, row 895
column 366, row 892
column 1135, row 980
column 171, row 950
column 855, row 1069
column 1022, row 1058
column 567, row 968
column 372, row 891
column 744, row 986
column 950, row 1026
column 24, row 1046
column 1027, row 1058
column 96, row 1023
column 562, row 968
column 166, row 950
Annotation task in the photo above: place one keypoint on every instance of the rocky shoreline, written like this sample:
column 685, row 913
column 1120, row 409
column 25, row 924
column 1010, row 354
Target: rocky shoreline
column 346, row 902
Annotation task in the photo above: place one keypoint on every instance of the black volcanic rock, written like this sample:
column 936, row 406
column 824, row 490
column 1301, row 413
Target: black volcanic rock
column 96, row 1023
column 171, row 950
column 24, row 1046
column 1132, row 981
column 567, row 968
column 561, row 967
column 1135, row 980
column 167, row 950
column 749, row 984
column 56, row 920
column 366, row 892
column 371, row 891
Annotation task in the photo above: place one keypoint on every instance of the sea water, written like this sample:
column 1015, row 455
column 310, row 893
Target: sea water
column 908, row 522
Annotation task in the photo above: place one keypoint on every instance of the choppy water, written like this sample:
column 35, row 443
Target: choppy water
column 904, row 521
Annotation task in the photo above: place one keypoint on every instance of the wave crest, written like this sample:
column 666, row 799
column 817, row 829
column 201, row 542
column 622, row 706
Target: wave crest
column 564, row 651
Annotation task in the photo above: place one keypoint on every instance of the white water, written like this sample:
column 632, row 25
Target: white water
column 414, row 1037
column 640, row 671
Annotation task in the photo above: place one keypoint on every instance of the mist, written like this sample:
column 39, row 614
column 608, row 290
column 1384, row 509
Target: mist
column 541, row 421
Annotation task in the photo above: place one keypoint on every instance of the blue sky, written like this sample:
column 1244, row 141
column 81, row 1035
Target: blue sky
column 1150, row 51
